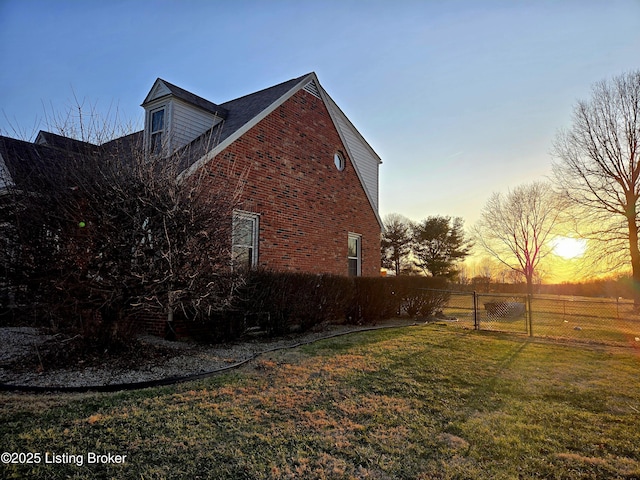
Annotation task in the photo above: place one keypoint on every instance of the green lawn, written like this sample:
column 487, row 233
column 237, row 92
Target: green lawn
column 417, row 402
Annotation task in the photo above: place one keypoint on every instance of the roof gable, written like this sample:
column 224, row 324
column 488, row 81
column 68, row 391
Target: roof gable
column 365, row 160
column 246, row 112
column 161, row 89
column 158, row 90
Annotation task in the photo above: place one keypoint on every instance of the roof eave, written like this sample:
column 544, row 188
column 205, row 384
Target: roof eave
column 264, row 113
column 185, row 96
column 326, row 98
column 246, row 127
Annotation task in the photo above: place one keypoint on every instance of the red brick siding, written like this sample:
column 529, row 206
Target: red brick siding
column 307, row 207
column 154, row 323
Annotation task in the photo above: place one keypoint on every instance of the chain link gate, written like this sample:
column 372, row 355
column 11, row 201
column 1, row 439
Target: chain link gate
column 504, row 313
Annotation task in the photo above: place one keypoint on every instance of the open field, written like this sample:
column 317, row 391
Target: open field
column 410, row 403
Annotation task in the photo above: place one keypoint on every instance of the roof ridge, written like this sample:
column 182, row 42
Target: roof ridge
column 291, row 80
column 62, row 137
column 194, row 99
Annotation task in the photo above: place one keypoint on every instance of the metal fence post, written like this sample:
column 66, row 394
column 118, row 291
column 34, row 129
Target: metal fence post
column 476, row 318
column 530, row 315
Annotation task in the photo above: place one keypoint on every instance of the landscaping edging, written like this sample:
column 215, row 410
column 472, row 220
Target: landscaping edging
column 172, row 380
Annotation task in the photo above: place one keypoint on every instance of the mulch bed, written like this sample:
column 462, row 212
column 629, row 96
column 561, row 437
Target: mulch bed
column 74, row 352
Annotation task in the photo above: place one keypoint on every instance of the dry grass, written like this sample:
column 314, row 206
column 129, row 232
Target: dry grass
column 421, row 402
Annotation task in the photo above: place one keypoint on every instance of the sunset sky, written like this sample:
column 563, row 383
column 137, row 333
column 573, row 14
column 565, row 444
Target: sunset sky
column 459, row 98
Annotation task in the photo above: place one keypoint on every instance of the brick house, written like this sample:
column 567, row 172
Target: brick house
column 309, row 201
column 310, row 196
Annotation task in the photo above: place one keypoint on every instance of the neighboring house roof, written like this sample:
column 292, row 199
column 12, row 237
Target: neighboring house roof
column 63, row 143
column 21, row 161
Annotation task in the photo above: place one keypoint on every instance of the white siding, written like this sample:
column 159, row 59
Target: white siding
column 365, row 160
column 188, row 123
column 159, row 90
column 312, row 88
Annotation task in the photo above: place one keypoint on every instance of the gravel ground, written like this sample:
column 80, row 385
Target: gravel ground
column 188, row 358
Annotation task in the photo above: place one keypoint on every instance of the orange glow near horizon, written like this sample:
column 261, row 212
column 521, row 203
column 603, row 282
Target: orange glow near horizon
column 565, row 264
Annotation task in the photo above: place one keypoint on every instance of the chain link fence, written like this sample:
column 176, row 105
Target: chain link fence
column 579, row 318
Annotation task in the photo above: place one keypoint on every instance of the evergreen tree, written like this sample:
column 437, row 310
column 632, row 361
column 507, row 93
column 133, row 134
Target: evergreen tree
column 439, row 243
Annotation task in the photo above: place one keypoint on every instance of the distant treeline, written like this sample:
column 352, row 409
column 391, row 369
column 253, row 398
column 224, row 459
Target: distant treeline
column 607, row 287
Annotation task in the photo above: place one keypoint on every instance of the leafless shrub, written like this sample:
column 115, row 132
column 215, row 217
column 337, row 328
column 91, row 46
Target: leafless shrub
column 109, row 229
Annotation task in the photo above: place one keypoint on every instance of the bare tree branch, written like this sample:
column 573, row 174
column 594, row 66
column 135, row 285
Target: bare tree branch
column 596, row 166
column 516, row 228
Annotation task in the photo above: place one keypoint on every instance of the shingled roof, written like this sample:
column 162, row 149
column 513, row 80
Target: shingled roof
column 242, row 110
column 240, row 113
column 191, row 98
column 21, row 161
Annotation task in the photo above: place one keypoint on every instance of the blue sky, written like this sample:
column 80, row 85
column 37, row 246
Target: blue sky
column 459, row 98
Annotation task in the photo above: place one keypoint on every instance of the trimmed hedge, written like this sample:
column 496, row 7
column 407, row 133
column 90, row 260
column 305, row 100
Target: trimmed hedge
column 276, row 303
column 382, row 298
column 281, row 302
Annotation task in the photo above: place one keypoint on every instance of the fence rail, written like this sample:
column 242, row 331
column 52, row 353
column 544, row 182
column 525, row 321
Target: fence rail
column 580, row 318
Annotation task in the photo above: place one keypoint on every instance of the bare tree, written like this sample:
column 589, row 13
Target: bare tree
column 597, row 166
column 396, row 242
column 516, row 228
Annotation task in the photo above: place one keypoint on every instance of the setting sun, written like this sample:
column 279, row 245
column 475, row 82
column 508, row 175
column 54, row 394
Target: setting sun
column 568, row 247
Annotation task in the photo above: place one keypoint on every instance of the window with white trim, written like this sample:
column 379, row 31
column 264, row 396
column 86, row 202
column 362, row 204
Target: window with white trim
column 354, row 255
column 245, row 239
column 157, row 123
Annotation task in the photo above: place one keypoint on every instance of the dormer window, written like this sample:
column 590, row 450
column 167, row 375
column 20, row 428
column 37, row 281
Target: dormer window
column 174, row 118
column 156, row 130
